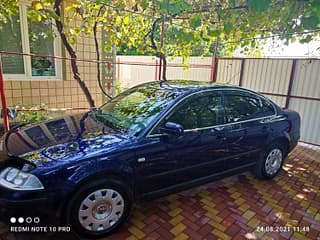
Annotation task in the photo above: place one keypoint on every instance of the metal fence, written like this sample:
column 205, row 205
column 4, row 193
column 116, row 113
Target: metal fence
column 291, row 83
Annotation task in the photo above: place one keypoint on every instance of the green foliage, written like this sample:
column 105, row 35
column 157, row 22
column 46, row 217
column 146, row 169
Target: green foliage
column 31, row 114
column 119, row 88
column 8, row 8
column 259, row 6
column 184, row 27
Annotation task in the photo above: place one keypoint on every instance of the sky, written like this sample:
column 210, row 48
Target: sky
column 296, row 49
column 277, row 48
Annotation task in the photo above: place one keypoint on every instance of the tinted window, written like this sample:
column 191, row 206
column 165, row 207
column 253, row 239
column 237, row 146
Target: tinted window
column 198, row 112
column 242, row 107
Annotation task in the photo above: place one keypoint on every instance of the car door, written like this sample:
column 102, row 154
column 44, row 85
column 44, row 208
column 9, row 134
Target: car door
column 154, row 169
column 200, row 151
column 245, row 129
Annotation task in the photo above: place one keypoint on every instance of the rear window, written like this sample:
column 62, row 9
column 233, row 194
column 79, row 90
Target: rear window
column 239, row 107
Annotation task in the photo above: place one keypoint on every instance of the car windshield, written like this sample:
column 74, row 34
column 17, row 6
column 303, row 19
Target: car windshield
column 133, row 110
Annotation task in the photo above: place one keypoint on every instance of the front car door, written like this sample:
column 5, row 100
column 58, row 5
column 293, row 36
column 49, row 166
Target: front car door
column 200, row 151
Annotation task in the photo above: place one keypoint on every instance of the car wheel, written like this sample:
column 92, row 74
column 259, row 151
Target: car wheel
column 98, row 209
column 270, row 162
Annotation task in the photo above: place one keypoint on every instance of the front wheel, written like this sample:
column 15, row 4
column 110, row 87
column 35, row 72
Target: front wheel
column 270, row 162
column 98, row 209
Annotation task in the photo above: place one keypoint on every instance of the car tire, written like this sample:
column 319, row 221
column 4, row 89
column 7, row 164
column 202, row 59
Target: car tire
column 98, row 208
column 270, row 161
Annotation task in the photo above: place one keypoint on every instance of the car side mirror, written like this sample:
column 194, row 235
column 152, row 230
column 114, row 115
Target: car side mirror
column 172, row 128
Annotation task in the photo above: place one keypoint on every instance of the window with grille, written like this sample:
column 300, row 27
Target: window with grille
column 21, row 35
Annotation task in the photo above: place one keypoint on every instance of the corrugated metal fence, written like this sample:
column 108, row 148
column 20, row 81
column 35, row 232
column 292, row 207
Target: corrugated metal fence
column 292, row 83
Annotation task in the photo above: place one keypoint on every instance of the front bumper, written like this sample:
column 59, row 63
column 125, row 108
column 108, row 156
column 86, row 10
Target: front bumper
column 24, row 208
column 22, row 203
column 48, row 203
column 33, row 204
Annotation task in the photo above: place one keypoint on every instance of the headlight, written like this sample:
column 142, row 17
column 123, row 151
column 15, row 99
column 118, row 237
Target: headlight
column 15, row 179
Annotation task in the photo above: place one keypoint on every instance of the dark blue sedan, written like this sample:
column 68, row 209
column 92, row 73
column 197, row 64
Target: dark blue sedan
column 153, row 139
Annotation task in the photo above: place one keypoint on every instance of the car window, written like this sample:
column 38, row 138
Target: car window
column 197, row 112
column 240, row 107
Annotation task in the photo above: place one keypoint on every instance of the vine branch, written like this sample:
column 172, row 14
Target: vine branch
column 74, row 66
column 158, row 52
column 98, row 54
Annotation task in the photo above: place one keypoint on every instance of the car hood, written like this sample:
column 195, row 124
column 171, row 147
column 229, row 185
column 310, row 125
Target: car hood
column 63, row 139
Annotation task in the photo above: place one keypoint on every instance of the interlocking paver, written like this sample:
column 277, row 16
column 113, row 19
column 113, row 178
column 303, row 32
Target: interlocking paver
column 178, row 229
column 136, row 232
column 237, row 207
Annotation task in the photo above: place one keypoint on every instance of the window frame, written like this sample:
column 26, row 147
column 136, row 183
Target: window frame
column 149, row 134
column 24, row 29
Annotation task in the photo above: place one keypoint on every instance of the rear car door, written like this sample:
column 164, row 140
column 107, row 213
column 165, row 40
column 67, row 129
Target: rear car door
column 246, row 128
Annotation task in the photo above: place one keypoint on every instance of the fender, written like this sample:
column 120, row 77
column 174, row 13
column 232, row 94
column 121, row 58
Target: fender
column 92, row 171
column 81, row 175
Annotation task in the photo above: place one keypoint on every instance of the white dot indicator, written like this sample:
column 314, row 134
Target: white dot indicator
column 36, row 220
column 20, row 220
column 13, row 220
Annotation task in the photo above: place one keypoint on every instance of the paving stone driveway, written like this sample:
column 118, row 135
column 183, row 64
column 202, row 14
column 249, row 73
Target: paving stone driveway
column 238, row 207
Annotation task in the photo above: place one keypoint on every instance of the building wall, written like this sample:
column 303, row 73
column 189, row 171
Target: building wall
column 65, row 92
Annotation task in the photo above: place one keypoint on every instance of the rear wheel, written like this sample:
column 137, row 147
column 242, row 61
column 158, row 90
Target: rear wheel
column 99, row 208
column 270, row 161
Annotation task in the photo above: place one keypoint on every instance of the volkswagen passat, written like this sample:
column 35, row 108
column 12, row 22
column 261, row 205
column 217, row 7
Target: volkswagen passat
column 153, row 139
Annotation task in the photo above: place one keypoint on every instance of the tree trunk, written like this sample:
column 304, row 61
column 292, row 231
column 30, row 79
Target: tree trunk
column 159, row 54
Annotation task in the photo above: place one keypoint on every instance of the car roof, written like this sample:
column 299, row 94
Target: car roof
column 188, row 85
